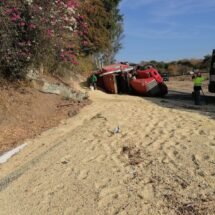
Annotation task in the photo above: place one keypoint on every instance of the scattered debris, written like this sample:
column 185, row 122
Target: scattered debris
column 72, row 113
column 65, row 105
column 116, row 130
column 6, row 156
column 64, row 161
column 99, row 116
column 134, row 155
column 133, row 172
column 195, row 207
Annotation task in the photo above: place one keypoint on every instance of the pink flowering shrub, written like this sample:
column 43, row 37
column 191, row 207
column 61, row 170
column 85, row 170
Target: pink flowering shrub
column 32, row 29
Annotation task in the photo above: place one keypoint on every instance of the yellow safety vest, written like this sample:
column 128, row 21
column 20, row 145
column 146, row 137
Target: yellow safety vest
column 198, row 81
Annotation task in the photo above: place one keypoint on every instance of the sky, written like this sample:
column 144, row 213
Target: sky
column 167, row 30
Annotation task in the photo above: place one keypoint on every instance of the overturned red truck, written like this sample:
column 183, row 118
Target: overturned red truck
column 123, row 78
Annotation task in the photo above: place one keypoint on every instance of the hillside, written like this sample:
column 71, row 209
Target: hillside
column 26, row 112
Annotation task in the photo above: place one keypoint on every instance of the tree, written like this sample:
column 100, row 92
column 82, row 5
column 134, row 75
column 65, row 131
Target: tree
column 33, row 30
column 29, row 32
column 96, row 18
column 115, row 28
column 104, row 28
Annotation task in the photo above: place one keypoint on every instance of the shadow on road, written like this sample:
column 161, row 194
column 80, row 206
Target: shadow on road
column 185, row 101
column 181, row 96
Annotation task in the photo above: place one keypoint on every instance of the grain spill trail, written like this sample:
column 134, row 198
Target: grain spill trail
column 162, row 161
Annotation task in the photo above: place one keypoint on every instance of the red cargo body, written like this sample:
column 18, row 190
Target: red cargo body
column 110, row 84
column 149, row 73
column 109, row 74
column 143, row 86
column 117, row 78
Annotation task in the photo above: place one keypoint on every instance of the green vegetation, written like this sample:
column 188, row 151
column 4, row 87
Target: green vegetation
column 73, row 34
column 182, row 67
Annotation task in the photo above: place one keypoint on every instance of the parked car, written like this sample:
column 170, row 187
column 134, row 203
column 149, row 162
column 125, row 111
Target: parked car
column 165, row 76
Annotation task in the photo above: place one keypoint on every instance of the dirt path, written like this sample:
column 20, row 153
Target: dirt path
column 161, row 162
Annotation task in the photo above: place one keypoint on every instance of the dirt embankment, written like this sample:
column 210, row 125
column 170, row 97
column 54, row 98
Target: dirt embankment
column 25, row 112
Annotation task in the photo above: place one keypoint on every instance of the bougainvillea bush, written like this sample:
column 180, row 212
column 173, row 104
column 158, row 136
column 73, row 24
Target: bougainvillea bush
column 57, row 32
column 33, row 29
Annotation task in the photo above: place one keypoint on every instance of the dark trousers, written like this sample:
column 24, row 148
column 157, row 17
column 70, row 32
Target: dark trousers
column 197, row 97
column 94, row 85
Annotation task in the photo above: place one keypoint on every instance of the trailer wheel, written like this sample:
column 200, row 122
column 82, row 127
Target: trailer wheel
column 163, row 89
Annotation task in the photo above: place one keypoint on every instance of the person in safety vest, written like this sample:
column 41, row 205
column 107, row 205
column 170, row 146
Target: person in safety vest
column 197, row 80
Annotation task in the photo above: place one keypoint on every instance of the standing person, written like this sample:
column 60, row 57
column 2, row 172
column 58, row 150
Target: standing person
column 93, row 81
column 197, row 80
